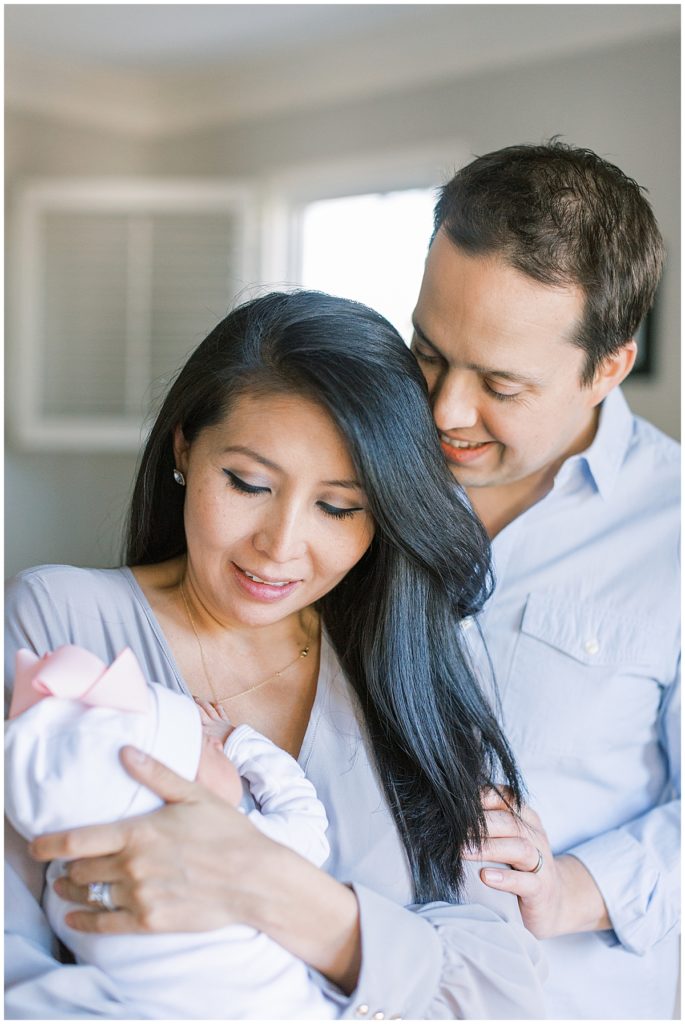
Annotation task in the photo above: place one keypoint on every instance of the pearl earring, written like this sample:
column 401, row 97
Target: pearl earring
column 179, row 478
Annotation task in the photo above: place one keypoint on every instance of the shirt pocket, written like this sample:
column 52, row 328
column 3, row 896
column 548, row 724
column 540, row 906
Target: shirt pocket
column 583, row 675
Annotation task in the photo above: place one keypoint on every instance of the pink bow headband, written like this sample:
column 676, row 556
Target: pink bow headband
column 73, row 673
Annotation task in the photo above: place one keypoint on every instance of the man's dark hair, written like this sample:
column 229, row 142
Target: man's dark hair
column 563, row 216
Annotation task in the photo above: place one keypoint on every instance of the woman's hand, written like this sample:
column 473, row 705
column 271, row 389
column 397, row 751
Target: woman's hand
column 558, row 899
column 198, row 864
column 170, row 870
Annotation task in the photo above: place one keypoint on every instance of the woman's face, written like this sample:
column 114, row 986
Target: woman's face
column 274, row 516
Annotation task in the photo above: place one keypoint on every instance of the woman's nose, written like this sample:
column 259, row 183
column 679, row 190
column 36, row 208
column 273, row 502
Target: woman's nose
column 455, row 402
column 282, row 536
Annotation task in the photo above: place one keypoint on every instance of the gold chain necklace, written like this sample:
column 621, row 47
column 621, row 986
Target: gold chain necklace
column 274, row 675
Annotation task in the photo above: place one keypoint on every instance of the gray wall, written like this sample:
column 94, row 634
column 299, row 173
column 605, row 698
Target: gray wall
column 622, row 102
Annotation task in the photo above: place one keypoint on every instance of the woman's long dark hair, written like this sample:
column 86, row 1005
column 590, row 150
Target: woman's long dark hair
column 393, row 620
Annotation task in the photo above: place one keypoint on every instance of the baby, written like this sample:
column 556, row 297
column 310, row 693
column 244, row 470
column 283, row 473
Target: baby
column 70, row 715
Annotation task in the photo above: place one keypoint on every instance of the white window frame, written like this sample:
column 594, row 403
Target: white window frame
column 286, row 195
column 34, row 429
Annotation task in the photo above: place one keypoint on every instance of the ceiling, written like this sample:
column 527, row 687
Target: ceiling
column 165, row 67
column 162, row 36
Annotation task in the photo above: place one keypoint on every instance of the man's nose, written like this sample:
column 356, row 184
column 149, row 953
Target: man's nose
column 455, row 401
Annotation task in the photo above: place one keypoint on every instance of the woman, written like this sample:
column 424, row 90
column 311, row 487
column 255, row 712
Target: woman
column 298, row 555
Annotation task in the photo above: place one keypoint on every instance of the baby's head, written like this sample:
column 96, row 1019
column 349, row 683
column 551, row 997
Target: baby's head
column 69, row 719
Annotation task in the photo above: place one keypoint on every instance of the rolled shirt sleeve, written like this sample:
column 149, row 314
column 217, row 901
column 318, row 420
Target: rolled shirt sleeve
column 637, row 866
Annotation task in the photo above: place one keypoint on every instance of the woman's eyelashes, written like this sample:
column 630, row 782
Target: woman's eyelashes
column 337, row 513
column 242, row 486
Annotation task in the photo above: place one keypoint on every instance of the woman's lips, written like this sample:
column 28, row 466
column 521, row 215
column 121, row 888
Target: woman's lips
column 260, row 590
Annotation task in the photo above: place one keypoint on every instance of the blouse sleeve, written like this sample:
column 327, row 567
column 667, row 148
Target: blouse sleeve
column 441, row 961
column 37, row 985
column 31, row 621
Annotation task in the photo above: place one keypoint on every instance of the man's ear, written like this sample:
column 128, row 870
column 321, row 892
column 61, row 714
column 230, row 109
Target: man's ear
column 181, row 449
column 613, row 371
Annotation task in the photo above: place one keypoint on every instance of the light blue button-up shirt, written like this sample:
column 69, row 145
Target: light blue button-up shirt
column 583, row 633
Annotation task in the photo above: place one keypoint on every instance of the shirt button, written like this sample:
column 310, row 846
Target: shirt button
column 592, row 646
column 379, row 1015
column 362, row 1010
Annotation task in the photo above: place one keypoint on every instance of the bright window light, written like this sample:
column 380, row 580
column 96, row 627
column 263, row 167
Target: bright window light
column 371, row 248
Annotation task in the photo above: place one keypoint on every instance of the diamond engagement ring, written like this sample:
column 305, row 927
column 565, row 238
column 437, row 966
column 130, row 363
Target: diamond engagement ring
column 100, row 895
column 538, row 866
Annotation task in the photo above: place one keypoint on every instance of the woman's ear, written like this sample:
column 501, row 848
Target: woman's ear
column 181, row 449
column 613, row 371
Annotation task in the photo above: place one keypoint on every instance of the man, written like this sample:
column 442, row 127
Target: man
column 544, row 261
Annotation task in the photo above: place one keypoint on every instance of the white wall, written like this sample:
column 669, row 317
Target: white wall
column 623, row 102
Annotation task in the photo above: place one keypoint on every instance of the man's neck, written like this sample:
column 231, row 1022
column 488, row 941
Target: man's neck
column 498, row 506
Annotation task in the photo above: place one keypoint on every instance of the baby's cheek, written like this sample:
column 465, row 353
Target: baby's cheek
column 218, row 774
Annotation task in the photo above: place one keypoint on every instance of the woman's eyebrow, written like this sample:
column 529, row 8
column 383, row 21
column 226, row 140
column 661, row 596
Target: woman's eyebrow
column 244, row 450
column 349, row 484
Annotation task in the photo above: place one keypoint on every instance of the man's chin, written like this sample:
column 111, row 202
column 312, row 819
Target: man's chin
column 469, row 477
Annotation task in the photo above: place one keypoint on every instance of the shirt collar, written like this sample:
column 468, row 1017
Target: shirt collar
column 605, row 455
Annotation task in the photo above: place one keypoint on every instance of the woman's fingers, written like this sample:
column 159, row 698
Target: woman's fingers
column 172, row 788
column 104, row 922
column 91, row 841
column 76, row 893
column 95, row 869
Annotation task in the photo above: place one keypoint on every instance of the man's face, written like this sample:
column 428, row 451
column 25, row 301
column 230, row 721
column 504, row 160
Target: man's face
column 495, row 348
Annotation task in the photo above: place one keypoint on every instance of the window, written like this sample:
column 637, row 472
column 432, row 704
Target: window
column 116, row 283
column 371, row 248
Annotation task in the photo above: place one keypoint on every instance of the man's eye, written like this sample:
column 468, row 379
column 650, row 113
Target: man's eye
column 423, row 355
column 242, row 486
column 501, row 396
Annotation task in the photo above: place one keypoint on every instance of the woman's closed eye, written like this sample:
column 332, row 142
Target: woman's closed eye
column 338, row 513
column 242, row 486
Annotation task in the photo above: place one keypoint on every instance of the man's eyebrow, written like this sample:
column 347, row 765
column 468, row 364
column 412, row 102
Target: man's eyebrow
column 243, row 450
column 486, row 371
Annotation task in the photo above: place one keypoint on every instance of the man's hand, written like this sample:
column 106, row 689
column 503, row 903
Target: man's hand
column 558, row 899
